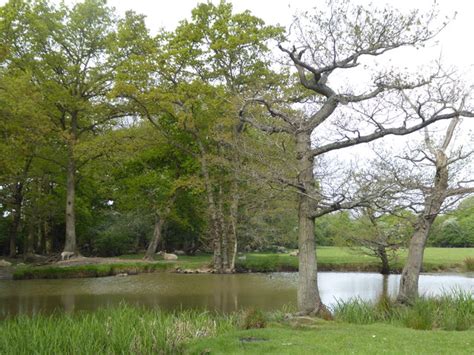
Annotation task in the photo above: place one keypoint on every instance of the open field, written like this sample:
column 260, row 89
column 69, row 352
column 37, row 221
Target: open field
column 345, row 259
column 329, row 259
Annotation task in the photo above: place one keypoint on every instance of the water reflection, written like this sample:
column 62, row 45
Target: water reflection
column 214, row 292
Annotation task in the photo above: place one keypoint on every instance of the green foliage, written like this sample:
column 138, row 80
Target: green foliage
column 455, row 230
column 114, row 240
column 333, row 229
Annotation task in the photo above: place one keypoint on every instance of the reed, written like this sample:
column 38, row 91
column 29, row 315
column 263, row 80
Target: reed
column 451, row 311
column 119, row 330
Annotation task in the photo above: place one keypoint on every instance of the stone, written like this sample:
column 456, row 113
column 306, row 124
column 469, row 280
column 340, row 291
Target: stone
column 5, row 263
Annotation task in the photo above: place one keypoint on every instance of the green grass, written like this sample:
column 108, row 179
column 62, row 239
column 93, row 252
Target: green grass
column 454, row 311
column 184, row 261
column 324, row 337
column 380, row 328
column 123, row 330
column 80, row 271
column 469, row 263
column 134, row 330
column 329, row 259
column 345, row 259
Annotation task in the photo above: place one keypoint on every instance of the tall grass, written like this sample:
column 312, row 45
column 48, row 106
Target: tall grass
column 469, row 264
column 121, row 330
column 451, row 311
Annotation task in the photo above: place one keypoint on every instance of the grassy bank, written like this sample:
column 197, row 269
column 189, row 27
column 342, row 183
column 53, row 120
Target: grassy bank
column 329, row 259
column 81, row 271
column 344, row 259
column 136, row 330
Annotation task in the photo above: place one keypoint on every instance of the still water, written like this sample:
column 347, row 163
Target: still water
column 215, row 292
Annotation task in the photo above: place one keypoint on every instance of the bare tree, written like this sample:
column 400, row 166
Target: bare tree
column 436, row 183
column 333, row 118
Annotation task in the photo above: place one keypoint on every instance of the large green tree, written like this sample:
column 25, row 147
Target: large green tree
column 202, row 70
column 71, row 54
column 24, row 131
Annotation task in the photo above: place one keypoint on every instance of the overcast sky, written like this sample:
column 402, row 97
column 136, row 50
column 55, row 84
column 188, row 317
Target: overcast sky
column 455, row 43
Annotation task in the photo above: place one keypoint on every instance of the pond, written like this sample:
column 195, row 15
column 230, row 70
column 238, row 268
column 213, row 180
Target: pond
column 224, row 293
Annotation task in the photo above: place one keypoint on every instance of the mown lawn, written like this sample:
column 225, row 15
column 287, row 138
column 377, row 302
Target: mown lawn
column 340, row 259
column 336, row 338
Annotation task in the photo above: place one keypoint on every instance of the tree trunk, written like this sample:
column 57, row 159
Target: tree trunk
column 408, row 289
column 382, row 253
column 150, row 252
column 216, row 232
column 309, row 300
column 16, row 217
column 40, row 242
column 70, row 244
column 224, row 268
column 29, row 249
column 17, row 206
column 411, row 271
column 47, row 237
column 234, row 206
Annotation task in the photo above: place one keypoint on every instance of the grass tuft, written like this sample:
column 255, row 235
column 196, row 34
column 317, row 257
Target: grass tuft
column 355, row 311
column 253, row 319
column 469, row 264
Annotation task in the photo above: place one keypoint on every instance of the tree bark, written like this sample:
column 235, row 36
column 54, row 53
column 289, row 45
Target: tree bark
column 16, row 218
column 70, row 243
column 309, row 300
column 17, row 207
column 30, row 241
column 382, row 253
column 408, row 289
column 411, row 271
column 232, row 243
column 47, row 237
column 224, row 268
column 216, row 232
column 155, row 240
column 40, row 242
